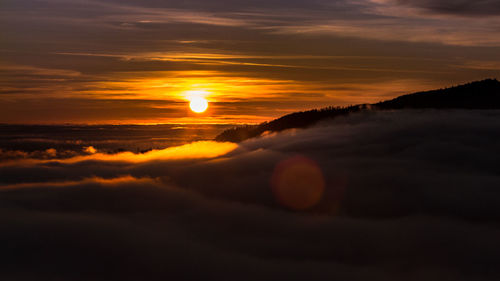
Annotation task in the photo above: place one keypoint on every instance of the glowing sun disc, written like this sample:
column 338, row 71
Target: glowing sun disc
column 198, row 104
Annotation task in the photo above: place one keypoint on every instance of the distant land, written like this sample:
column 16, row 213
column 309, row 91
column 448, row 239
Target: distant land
column 483, row 94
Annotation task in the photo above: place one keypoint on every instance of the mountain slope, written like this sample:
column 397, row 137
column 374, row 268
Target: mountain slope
column 476, row 95
column 483, row 94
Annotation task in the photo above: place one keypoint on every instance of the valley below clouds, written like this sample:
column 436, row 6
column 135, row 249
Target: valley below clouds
column 404, row 195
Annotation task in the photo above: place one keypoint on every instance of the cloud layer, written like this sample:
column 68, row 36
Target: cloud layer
column 407, row 195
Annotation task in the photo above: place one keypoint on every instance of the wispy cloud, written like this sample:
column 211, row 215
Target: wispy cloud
column 40, row 71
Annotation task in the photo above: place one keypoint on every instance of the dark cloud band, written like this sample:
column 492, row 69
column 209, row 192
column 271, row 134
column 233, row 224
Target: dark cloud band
column 458, row 7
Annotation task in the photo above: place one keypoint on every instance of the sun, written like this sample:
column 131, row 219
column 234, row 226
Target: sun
column 197, row 100
column 198, row 104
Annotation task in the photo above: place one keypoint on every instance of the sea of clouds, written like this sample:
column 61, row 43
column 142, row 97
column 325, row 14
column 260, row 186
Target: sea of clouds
column 408, row 195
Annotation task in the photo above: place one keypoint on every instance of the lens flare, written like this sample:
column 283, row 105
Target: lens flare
column 298, row 183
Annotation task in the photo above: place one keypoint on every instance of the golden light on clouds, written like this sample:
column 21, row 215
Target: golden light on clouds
column 157, row 97
column 232, row 98
column 195, row 150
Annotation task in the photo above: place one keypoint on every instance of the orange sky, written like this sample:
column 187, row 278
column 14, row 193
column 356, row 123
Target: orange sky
column 136, row 61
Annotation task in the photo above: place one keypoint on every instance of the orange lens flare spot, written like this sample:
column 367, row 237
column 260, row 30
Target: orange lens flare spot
column 298, row 183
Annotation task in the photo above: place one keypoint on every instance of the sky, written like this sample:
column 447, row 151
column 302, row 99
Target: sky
column 401, row 195
column 137, row 61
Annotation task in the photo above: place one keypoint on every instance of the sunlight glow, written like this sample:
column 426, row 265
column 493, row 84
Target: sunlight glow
column 195, row 150
column 197, row 100
column 198, row 104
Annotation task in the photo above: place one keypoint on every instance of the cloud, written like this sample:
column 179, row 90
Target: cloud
column 196, row 150
column 407, row 195
column 457, row 7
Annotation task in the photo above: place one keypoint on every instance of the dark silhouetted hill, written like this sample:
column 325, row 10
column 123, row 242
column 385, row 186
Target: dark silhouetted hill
column 476, row 95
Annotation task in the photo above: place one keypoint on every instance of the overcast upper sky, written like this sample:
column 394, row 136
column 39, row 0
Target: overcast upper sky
column 132, row 61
